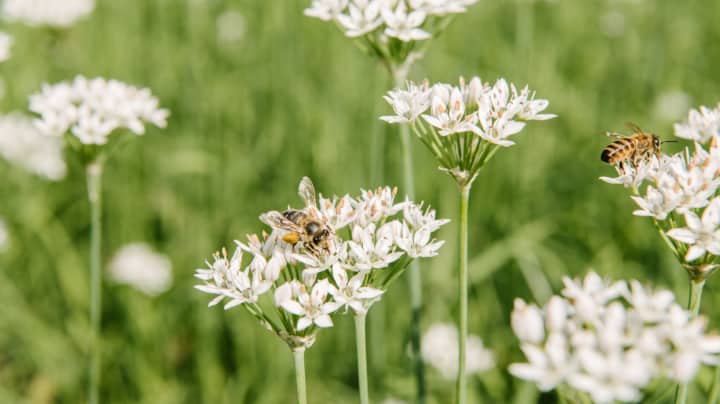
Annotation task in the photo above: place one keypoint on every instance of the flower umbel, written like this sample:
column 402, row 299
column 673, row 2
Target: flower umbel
column 610, row 340
column 464, row 125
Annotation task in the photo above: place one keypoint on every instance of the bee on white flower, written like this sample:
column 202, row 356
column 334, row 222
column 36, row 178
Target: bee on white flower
column 609, row 341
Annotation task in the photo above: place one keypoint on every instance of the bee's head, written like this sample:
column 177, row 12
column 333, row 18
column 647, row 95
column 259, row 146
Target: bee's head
column 656, row 141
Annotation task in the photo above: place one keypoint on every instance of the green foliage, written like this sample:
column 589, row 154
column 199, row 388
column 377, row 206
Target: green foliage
column 295, row 98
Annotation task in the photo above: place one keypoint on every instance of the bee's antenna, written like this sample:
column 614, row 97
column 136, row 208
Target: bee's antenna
column 668, row 141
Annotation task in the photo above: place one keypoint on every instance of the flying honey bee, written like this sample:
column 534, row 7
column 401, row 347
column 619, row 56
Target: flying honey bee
column 638, row 147
column 304, row 225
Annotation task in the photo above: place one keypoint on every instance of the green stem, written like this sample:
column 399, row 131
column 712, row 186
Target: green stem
column 361, row 358
column 463, row 293
column 715, row 390
column 696, row 289
column 414, row 276
column 94, row 184
column 299, row 356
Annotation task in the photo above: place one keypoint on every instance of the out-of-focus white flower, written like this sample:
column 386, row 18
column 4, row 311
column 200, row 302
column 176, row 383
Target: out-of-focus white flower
column 230, row 26
column 363, row 16
column 441, row 7
column 326, row 10
column 612, row 23
column 22, row 144
column 440, row 350
column 393, row 400
column 701, row 126
column 703, row 235
column 93, row 109
column 671, row 105
column 6, row 42
column 4, row 236
column 404, row 25
column 610, row 341
column 54, row 13
column 139, row 266
column 312, row 308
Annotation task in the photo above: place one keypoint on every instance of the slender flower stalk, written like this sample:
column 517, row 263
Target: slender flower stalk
column 299, row 357
column 94, row 184
column 463, row 127
column 360, row 342
column 84, row 114
column 463, row 294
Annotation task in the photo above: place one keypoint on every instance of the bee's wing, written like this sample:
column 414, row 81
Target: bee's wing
column 276, row 220
column 633, row 127
column 306, row 190
column 614, row 134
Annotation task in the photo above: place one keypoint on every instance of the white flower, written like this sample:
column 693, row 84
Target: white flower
column 418, row 243
column 54, row 13
column 351, row 292
column 312, row 308
column 375, row 206
column 363, row 17
column 448, row 111
column 701, row 126
column 369, row 249
column 440, row 349
column 23, row 145
column 6, row 42
column 326, row 10
column 230, row 26
column 703, row 235
column 441, row 7
column 671, row 105
column 139, row 266
column 610, row 342
column 631, row 176
column 227, row 279
column 403, row 25
column 92, row 109
column 4, row 236
column 339, row 212
column 417, row 219
column 408, row 104
column 527, row 322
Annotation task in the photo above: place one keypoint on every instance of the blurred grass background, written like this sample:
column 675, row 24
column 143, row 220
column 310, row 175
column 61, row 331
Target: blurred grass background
column 292, row 97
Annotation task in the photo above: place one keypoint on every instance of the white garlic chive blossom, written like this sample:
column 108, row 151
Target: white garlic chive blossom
column 91, row 109
column 440, row 350
column 701, row 126
column 389, row 29
column 6, row 42
column 58, row 14
column 142, row 268
column 22, row 144
column 464, row 125
column 610, row 340
column 302, row 287
column 680, row 191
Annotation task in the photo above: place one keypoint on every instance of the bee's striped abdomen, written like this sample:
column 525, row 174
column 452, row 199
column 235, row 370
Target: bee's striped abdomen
column 617, row 151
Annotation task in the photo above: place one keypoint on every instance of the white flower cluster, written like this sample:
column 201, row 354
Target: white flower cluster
column 684, row 185
column 609, row 340
column 60, row 14
column 440, row 350
column 405, row 20
column 139, row 266
column 93, row 109
column 23, row 145
column 494, row 112
column 308, row 284
column 463, row 125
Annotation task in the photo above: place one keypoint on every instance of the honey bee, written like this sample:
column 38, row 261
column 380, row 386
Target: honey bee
column 303, row 225
column 638, row 147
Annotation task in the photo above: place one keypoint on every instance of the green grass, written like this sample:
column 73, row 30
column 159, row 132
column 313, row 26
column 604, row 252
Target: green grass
column 295, row 98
